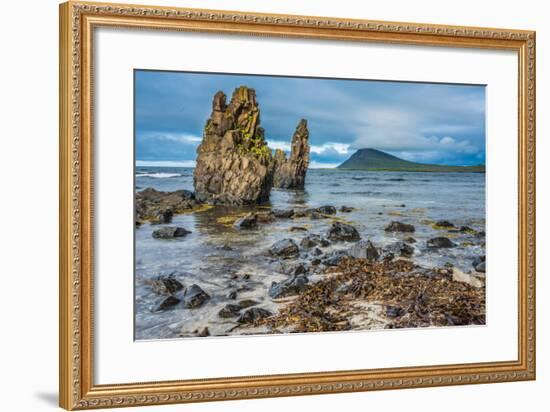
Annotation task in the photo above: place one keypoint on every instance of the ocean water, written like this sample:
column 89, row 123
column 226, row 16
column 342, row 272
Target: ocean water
column 378, row 198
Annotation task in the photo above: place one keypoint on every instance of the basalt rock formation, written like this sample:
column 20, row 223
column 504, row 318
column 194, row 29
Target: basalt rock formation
column 291, row 173
column 234, row 164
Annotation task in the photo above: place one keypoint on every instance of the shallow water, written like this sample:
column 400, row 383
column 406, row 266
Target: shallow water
column 378, row 198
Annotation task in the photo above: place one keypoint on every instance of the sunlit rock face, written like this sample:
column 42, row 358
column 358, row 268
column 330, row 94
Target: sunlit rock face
column 291, row 173
column 234, row 164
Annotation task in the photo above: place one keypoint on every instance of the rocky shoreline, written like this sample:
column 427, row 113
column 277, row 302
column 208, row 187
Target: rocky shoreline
column 335, row 280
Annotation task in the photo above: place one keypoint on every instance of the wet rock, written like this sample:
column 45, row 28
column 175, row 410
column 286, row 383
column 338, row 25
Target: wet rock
column 394, row 311
column 234, row 164
column 317, row 252
column 291, row 173
column 327, row 210
column 343, row 232
column 315, row 262
column 283, row 213
column 253, row 314
column 246, row 303
column 248, row 221
column 170, row 232
column 315, row 215
column 480, row 267
column 265, row 217
column 480, row 234
column 246, row 276
column 401, row 249
column 226, row 248
column 440, row 242
column 204, row 332
column 159, row 207
column 399, row 227
column 162, row 216
column 284, row 248
column 364, row 249
column 291, row 286
column 410, row 239
column 195, row 297
column 229, row 311
column 165, row 285
column 298, row 229
column 232, row 295
column 387, row 256
column 335, row 258
column 346, row 209
column 310, row 241
column 479, row 264
column 300, row 213
column 444, row 223
column 299, row 269
column 467, row 229
column 167, row 303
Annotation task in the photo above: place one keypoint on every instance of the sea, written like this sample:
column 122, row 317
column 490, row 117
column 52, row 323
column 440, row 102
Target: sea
column 216, row 256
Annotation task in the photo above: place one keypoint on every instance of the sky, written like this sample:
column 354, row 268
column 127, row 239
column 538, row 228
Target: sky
column 420, row 122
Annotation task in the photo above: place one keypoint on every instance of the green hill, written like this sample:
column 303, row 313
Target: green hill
column 372, row 159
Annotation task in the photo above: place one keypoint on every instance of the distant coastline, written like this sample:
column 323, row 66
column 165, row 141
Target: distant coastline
column 373, row 160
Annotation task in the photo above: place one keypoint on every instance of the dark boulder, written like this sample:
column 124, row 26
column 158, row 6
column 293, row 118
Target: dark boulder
column 229, row 311
column 346, row 209
column 410, row 239
column 283, row 213
column 444, row 223
column 310, row 241
column 298, row 229
column 167, row 303
column 204, row 332
column 327, row 210
column 265, row 217
column 170, row 232
column 317, row 252
column 291, row 286
column 400, row 249
column 399, row 227
column 394, row 311
column 440, row 242
column 162, row 216
column 246, row 303
column 285, row 248
column 254, row 314
column 335, row 258
column 248, row 221
column 343, row 232
column 479, row 264
column 364, row 249
column 165, row 285
column 195, row 297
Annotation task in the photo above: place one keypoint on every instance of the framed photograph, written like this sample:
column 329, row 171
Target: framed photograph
column 257, row 205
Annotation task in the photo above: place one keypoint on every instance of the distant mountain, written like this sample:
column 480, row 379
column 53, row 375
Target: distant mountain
column 372, row 159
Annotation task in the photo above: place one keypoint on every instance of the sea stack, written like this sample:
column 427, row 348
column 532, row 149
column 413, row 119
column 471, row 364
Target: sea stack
column 234, row 164
column 291, row 173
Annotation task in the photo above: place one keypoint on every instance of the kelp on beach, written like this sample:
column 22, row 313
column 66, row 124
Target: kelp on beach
column 407, row 296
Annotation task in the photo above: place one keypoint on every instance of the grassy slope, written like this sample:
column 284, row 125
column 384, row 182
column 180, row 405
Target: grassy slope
column 371, row 159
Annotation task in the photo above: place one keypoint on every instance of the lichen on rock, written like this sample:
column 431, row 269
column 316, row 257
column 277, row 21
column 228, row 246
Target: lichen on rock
column 234, row 164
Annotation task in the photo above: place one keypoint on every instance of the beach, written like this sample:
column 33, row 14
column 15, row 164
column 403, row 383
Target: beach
column 236, row 267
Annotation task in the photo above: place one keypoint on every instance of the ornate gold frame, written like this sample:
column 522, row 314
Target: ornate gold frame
column 76, row 386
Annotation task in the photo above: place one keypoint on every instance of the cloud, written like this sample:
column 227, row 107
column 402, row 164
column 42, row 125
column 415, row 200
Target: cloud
column 441, row 122
column 320, row 165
